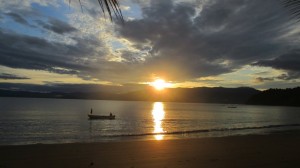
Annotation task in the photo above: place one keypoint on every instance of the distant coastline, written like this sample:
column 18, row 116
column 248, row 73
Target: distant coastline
column 242, row 95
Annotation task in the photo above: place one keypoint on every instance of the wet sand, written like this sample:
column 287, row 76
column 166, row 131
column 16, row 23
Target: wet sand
column 273, row 150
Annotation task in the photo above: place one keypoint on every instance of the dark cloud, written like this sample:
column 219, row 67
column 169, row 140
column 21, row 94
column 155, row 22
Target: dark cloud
column 290, row 61
column 289, row 76
column 263, row 79
column 17, row 18
column 57, row 26
column 22, row 51
column 131, row 57
column 223, row 37
column 7, row 76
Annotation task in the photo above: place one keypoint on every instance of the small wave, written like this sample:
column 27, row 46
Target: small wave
column 206, row 130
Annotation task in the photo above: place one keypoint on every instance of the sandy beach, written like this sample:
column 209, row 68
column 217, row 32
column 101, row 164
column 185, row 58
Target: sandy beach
column 273, row 150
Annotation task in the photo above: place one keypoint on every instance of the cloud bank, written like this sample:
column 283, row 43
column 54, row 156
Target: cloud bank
column 222, row 38
column 178, row 40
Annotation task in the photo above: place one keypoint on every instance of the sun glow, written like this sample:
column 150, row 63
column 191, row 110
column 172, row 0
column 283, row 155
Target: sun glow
column 159, row 84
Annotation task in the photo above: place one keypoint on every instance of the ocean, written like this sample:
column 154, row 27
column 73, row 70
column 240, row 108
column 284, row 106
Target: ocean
column 48, row 121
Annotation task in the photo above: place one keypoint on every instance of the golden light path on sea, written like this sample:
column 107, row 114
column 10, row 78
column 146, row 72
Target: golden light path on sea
column 158, row 115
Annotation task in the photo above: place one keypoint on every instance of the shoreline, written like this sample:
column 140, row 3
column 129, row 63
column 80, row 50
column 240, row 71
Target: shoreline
column 179, row 135
column 278, row 149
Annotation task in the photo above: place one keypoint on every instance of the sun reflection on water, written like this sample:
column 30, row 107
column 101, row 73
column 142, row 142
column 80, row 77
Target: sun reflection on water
column 158, row 114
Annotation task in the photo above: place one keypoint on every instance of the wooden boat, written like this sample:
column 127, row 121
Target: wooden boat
column 101, row 117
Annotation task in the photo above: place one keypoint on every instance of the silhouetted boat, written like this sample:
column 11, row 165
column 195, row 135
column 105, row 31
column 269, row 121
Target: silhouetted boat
column 101, row 117
column 231, row 107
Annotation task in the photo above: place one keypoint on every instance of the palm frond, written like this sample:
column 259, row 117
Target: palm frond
column 108, row 6
column 294, row 7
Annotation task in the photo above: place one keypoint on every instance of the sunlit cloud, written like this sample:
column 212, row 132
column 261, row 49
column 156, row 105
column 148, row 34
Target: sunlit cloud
column 192, row 43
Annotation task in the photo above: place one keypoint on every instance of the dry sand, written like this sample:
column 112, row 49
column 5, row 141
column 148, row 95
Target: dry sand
column 274, row 150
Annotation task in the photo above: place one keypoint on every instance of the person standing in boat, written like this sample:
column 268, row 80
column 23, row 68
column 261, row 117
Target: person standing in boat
column 91, row 111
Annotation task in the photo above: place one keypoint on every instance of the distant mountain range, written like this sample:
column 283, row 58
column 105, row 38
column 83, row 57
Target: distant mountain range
column 277, row 97
column 242, row 95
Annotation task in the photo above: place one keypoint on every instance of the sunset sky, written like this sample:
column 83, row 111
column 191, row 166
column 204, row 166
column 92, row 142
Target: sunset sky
column 188, row 43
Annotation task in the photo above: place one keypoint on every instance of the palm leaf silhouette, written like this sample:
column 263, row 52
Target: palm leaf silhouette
column 294, row 7
column 108, row 6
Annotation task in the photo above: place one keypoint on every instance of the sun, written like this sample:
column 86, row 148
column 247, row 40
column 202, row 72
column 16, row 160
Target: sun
column 159, row 84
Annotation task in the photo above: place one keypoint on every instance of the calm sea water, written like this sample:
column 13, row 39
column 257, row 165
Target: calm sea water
column 31, row 121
